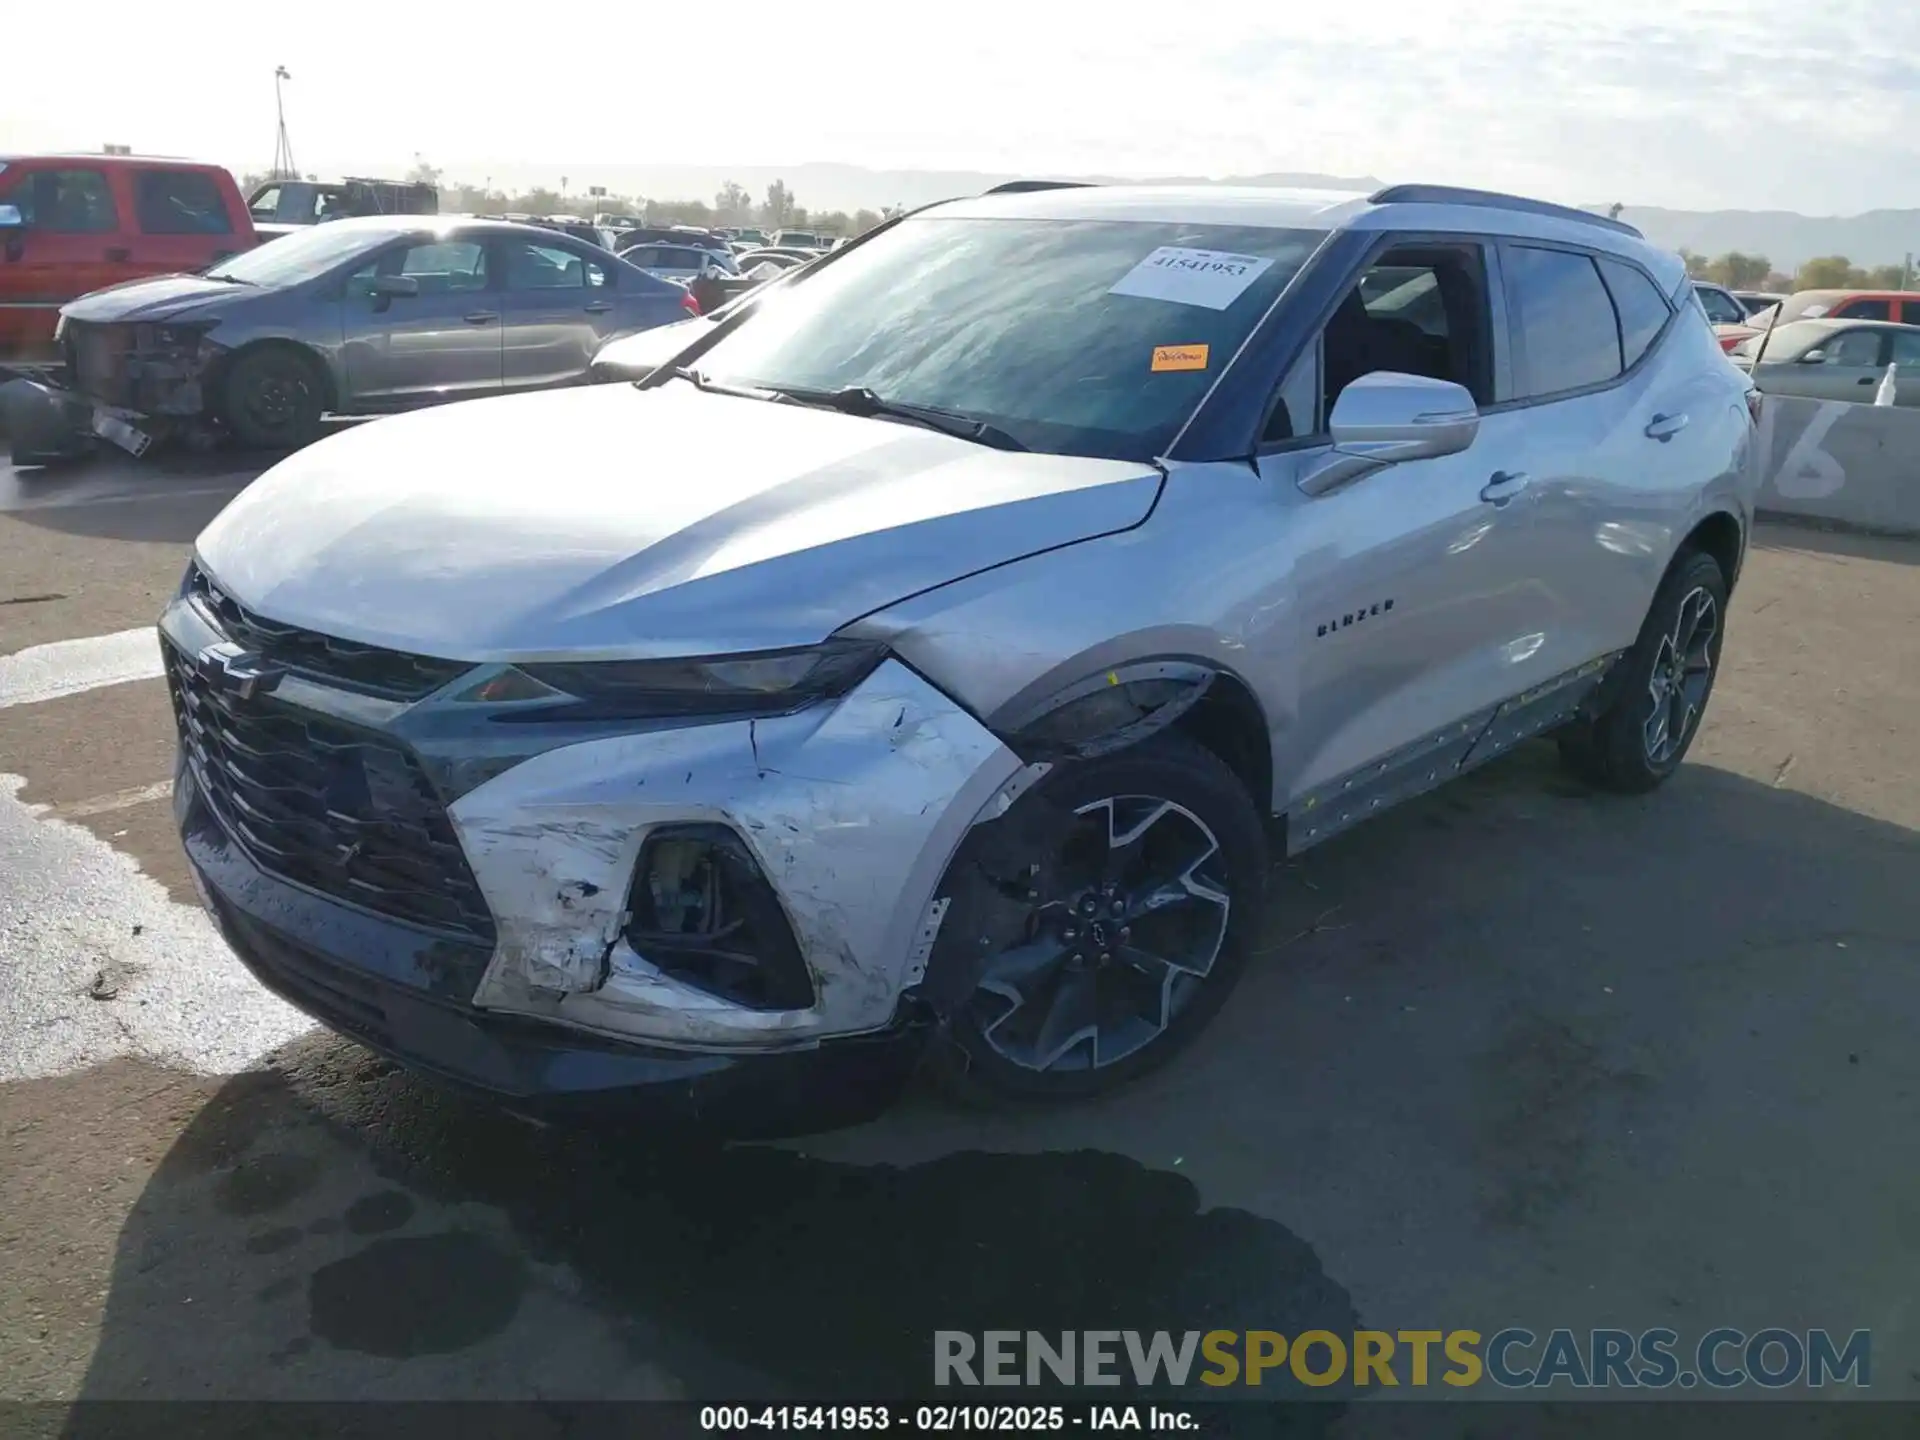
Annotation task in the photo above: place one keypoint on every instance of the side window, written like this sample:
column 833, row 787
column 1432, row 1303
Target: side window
column 66, row 202
column 1906, row 349
column 446, row 265
column 1865, row 310
column 266, row 204
column 1419, row 310
column 1721, row 308
column 1296, row 414
column 441, row 266
column 179, row 202
column 532, row 266
column 1858, row 348
column 1641, row 307
column 1563, row 320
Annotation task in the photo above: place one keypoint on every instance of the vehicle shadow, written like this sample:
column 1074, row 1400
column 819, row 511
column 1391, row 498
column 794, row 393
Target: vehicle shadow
column 1421, row 1073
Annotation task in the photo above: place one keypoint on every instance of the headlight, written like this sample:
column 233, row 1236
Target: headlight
column 173, row 337
column 768, row 683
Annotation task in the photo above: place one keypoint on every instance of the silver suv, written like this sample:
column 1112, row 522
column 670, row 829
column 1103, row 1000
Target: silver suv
column 928, row 661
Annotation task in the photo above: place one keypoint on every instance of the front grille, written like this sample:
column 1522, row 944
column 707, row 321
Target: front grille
column 390, row 674
column 337, row 809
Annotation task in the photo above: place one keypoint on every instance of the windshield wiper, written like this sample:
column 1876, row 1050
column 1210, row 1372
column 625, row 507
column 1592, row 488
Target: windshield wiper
column 861, row 400
column 225, row 279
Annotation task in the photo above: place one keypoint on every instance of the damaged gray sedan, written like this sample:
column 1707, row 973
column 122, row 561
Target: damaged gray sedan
column 358, row 317
column 925, row 663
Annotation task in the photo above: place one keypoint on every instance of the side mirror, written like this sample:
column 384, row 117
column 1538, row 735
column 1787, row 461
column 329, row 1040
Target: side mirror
column 1387, row 418
column 1815, row 356
column 390, row 286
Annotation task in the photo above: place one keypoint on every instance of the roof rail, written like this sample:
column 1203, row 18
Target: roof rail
column 1022, row 187
column 1494, row 200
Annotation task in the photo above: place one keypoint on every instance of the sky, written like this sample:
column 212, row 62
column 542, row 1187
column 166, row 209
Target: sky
column 1690, row 104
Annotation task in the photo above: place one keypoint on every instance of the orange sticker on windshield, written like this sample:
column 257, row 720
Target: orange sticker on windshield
column 1179, row 357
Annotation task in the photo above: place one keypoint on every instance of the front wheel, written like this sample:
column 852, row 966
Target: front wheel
column 1143, row 902
column 274, row 399
column 1639, row 740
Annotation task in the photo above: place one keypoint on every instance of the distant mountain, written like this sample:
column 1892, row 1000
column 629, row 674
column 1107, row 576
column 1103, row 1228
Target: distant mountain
column 1879, row 237
column 828, row 186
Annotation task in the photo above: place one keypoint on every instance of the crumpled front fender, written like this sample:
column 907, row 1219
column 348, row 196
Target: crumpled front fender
column 852, row 811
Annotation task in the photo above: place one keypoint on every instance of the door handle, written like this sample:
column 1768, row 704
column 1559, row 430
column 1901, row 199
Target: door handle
column 119, row 254
column 1504, row 485
column 1866, row 380
column 481, row 317
column 1665, row 427
column 599, row 307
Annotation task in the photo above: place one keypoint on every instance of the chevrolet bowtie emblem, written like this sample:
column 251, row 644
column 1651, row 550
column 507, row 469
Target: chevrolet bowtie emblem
column 234, row 671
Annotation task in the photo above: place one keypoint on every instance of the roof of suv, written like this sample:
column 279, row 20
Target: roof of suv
column 1426, row 208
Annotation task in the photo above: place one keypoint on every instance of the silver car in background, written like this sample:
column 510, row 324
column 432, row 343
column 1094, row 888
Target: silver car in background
column 358, row 317
column 1833, row 359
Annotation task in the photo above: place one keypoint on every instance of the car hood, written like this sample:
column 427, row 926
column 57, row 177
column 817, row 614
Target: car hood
column 613, row 521
column 164, row 297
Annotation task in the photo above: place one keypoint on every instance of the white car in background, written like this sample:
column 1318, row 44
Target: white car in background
column 681, row 263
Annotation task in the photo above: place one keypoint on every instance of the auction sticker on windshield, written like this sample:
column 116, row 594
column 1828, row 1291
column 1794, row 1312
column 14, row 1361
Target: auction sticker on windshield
column 1179, row 357
column 1211, row 279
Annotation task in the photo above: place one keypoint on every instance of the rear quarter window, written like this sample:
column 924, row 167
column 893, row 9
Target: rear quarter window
column 1865, row 310
column 1642, row 309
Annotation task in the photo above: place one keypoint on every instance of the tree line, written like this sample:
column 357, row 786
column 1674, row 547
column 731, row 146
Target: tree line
column 732, row 206
column 1740, row 271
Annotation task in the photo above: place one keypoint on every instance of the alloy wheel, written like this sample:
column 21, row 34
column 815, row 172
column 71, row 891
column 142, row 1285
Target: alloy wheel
column 1136, row 917
column 1682, row 673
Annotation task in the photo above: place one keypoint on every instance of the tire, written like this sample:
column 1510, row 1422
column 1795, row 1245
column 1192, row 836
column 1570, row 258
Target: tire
column 1624, row 748
column 994, row 1048
column 273, row 399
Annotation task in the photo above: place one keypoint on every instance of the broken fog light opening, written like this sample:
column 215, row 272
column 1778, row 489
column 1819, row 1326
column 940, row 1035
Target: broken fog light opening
column 769, row 682
column 701, row 911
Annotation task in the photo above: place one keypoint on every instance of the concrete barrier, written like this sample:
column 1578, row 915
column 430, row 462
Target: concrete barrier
column 1854, row 467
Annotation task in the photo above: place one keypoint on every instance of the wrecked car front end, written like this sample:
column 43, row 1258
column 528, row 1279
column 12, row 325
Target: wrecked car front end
column 551, row 895
column 147, row 368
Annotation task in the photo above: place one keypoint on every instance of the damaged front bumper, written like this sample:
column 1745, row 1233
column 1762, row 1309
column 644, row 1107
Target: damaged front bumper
column 545, row 989
column 150, row 370
column 399, row 991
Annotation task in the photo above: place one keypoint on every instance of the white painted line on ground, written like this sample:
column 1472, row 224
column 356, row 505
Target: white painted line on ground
column 115, row 800
column 69, row 667
column 97, row 961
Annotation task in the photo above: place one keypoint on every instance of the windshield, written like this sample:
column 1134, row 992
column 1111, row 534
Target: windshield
column 299, row 256
column 1080, row 337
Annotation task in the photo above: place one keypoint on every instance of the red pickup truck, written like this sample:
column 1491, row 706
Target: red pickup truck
column 71, row 224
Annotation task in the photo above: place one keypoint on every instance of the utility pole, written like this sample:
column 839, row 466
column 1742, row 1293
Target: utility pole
column 283, row 166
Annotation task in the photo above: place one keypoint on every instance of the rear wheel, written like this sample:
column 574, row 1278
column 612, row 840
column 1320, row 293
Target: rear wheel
column 274, row 399
column 1640, row 739
column 1145, row 900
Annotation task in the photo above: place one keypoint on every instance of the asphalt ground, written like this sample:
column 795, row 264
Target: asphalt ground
column 1518, row 1054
